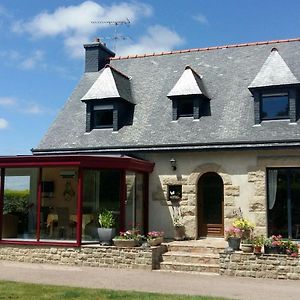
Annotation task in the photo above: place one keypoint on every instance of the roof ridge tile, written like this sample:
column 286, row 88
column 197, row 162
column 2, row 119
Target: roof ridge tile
column 206, row 48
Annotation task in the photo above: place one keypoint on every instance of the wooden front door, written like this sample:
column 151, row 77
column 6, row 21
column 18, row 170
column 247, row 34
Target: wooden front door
column 210, row 205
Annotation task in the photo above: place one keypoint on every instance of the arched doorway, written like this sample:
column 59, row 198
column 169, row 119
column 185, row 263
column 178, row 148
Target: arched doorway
column 210, row 205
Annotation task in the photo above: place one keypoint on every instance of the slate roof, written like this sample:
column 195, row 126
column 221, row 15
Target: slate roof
column 274, row 72
column 190, row 83
column 226, row 71
column 110, row 84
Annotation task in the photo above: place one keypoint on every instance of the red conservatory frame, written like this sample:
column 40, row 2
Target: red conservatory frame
column 121, row 163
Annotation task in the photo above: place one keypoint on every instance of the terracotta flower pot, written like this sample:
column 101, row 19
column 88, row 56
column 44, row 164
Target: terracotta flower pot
column 257, row 249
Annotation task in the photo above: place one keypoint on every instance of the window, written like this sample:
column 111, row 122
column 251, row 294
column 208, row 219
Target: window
column 274, row 106
column 185, row 108
column 102, row 117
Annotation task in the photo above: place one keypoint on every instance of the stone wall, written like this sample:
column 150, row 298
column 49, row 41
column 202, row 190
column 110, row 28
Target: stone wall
column 92, row 256
column 188, row 203
column 276, row 266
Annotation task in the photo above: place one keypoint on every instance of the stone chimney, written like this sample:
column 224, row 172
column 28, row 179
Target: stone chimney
column 96, row 56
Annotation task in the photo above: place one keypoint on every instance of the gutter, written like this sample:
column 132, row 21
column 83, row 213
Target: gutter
column 167, row 148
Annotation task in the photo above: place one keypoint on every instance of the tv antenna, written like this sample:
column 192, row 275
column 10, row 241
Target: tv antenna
column 116, row 36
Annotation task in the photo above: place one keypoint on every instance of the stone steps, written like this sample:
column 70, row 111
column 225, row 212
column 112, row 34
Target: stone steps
column 193, row 256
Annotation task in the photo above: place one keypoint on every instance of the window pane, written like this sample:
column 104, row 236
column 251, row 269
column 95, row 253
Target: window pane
column 275, row 107
column 134, row 205
column 20, row 204
column 185, row 108
column 103, row 118
column 58, row 215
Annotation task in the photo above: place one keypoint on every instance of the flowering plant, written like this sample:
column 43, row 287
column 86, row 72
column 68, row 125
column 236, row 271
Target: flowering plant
column 258, row 240
column 132, row 234
column 243, row 224
column 154, row 234
column 233, row 232
column 291, row 248
column 275, row 241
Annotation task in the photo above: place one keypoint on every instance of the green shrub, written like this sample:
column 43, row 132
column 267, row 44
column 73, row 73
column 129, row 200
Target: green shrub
column 16, row 202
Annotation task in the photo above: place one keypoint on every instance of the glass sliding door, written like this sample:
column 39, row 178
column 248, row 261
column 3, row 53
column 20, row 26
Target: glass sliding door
column 283, row 201
column 20, row 203
column 101, row 191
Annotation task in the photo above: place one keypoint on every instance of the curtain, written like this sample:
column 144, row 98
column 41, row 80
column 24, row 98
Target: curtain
column 272, row 187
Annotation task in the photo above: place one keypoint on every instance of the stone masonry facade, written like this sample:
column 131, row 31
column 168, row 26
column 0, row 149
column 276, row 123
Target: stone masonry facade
column 92, row 256
column 188, row 203
column 275, row 266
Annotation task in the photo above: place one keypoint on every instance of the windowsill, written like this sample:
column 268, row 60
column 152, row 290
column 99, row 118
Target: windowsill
column 275, row 120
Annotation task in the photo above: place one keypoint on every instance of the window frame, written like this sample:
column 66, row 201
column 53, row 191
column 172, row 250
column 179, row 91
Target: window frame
column 265, row 95
column 95, row 109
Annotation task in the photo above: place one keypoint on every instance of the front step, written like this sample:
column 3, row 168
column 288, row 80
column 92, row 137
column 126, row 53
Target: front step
column 194, row 249
column 185, row 267
column 191, row 258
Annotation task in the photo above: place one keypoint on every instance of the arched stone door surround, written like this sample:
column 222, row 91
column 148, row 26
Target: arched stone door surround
column 210, row 203
column 231, row 192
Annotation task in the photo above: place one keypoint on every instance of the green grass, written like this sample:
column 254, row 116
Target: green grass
column 24, row 291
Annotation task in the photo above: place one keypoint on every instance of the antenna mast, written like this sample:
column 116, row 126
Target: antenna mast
column 116, row 36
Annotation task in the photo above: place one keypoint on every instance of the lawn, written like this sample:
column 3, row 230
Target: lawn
column 24, row 291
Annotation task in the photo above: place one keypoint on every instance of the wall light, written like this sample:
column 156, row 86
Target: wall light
column 173, row 163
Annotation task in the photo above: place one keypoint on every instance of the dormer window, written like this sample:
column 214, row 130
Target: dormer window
column 274, row 106
column 274, row 91
column 109, row 102
column 185, row 108
column 188, row 96
column 102, row 116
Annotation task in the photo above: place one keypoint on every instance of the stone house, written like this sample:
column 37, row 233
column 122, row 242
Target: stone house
column 201, row 134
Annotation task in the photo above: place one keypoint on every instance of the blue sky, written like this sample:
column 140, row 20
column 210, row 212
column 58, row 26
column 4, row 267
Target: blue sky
column 41, row 53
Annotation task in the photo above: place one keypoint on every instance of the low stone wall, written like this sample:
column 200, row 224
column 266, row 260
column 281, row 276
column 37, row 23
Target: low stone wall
column 93, row 256
column 276, row 266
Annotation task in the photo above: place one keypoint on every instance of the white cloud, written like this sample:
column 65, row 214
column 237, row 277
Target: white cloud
column 158, row 38
column 201, row 19
column 33, row 108
column 32, row 61
column 22, row 106
column 7, row 101
column 3, row 123
column 74, row 23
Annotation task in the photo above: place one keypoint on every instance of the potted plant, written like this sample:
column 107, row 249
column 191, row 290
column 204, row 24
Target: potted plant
column 155, row 238
column 291, row 248
column 106, row 231
column 258, row 242
column 179, row 229
column 233, row 237
column 129, row 238
column 274, row 245
column 245, row 226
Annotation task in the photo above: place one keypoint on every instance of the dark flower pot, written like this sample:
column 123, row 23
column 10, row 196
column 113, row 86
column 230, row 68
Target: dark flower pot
column 234, row 243
column 272, row 249
column 106, row 235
